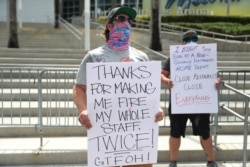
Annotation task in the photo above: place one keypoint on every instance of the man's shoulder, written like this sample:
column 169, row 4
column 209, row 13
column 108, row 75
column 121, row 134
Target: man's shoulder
column 98, row 49
column 137, row 51
column 138, row 54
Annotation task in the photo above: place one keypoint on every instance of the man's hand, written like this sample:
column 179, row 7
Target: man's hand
column 159, row 116
column 217, row 83
column 84, row 119
column 170, row 83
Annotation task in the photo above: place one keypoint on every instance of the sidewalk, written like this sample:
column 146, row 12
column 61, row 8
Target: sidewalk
column 72, row 151
column 221, row 164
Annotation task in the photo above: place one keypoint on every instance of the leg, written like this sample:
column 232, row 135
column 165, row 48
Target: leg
column 201, row 127
column 174, row 145
column 208, row 148
column 178, row 127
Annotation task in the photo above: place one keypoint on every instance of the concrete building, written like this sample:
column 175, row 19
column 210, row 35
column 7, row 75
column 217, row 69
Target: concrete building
column 42, row 11
column 31, row 11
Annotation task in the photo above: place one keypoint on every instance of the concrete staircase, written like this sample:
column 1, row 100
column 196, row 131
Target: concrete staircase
column 36, row 57
column 19, row 145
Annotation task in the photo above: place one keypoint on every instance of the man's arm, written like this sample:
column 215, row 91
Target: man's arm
column 80, row 100
column 165, row 78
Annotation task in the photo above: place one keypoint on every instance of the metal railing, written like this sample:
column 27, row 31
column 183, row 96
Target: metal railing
column 237, row 86
column 240, row 81
column 75, row 36
column 174, row 28
column 18, row 94
column 20, row 89
column 43, row 98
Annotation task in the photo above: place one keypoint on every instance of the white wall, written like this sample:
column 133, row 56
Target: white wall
column 32, row 11
column 38, row 11
column 3, row 10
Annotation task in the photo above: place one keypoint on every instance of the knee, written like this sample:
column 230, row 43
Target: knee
column 205, row 137
column 175, row 136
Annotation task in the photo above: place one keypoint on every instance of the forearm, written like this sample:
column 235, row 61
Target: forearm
column 80, row 100
column 164, row 79
column 80, row 97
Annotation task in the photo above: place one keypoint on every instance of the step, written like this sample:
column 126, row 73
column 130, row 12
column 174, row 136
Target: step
column 64, row 94
column 42, row 55
column 236, row 63
column 32, row 61
column 41, row 50
column 25, row 151
column 65, row 123
column 65, row 66
column 160, row 164
column 27, row 113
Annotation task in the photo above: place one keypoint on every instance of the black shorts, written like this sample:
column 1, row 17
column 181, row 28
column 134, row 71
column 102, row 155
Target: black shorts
column 200, row 124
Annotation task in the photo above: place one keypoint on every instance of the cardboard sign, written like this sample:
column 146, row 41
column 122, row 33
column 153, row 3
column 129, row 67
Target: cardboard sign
column 123, row 98
column 194, row 74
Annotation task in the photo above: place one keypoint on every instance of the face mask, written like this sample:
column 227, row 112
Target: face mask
column 191, row 43
column 119, row 36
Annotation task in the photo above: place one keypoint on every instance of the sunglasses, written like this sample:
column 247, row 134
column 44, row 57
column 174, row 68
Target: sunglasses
column 121, row 19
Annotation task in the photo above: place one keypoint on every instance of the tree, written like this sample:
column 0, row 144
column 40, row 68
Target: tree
column 113, row 4
column 57, row 13
column 228, row 8
column 12, row 24
column 155, row 42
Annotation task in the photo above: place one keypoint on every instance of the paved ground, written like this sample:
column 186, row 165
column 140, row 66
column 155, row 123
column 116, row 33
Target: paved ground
column 221, row 164
column 18, row 146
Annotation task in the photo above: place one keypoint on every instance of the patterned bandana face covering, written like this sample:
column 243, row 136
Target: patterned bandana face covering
column 119, row 36
column 191, row 43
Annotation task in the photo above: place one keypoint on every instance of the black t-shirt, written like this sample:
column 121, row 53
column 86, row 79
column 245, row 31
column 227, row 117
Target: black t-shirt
column 166, row 65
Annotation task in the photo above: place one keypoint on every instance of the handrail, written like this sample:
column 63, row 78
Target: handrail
column 201, row 32
column 243, row 118
column 71, row 28
column 175, row 28
column 74, row 31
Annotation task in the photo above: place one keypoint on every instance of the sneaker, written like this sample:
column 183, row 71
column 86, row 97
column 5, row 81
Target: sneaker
column 212, row 164
column 172, row 164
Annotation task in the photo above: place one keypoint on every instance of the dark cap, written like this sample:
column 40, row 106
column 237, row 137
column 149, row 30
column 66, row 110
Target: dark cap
column 190, row 36
column 122, row 10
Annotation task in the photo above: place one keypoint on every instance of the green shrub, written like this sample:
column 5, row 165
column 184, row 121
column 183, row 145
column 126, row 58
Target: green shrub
column 101, row 19
column 220, row 24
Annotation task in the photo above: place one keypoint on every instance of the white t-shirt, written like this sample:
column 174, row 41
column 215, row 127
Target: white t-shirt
column 104, row 54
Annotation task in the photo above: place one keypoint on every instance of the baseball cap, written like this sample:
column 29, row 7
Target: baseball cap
column 122, row 10
column 190, row 36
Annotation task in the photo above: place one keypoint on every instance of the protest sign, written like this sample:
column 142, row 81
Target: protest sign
column 122, row 100
column 194, row 73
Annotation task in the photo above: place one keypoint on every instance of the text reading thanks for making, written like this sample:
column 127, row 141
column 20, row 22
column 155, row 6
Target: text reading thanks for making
column 122, row 75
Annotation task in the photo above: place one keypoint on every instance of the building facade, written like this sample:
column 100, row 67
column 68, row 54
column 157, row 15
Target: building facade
column 30, row 11
column 42, row 11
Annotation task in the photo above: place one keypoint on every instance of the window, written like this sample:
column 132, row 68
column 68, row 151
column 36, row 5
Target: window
column 70, row 8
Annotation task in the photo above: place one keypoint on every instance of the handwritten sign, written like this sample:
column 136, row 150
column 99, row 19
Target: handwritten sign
column 193, row 72
column 123, row 99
